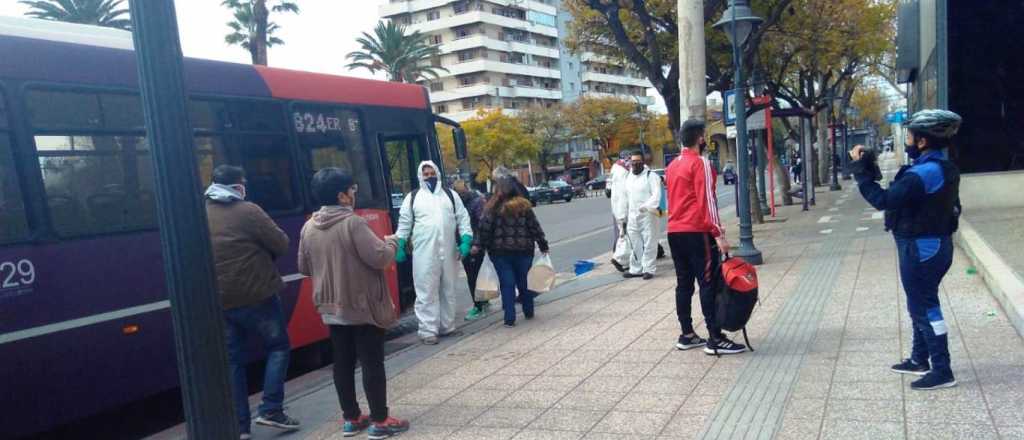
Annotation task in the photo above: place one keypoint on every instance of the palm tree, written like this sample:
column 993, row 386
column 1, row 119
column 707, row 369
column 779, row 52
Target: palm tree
column 403, row 56
column 107, row 13
column 252, row 28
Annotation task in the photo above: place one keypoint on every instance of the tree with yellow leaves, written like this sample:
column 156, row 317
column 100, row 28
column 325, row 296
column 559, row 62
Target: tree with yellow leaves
column 494, row 138
column 602, row 119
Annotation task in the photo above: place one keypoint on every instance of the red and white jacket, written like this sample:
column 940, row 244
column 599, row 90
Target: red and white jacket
column 692, row 204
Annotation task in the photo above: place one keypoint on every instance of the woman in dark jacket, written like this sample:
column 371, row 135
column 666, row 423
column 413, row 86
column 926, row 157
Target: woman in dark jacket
column 474, row 203
column 509, row 230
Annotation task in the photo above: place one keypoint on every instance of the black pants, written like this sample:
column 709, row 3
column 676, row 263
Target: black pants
column 696, row 258
column 472, row 265
column 365, row 344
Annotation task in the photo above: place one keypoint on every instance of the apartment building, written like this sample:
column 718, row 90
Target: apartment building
column 509, row 54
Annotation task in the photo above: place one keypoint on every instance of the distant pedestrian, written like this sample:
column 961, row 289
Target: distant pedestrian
column 643, row 189
column 435, row 224
column 501, row 173
column 696, row 238
column 474, row 203
column 346, row 262
column 509, row 231
column 616, row 185
column 922, row 209
column 245, row 244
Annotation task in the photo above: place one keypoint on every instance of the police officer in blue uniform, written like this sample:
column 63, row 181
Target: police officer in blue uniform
column 922, row 207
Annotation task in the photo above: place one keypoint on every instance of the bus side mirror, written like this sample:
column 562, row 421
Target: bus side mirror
column 459, row 136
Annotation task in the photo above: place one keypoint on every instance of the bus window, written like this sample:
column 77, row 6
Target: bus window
column 332, row 137
column 404, row 157
column 208, row 115
column 56, row 110
column 13, row 224
column 268, row 169
column 259, row 116
column 97, row 184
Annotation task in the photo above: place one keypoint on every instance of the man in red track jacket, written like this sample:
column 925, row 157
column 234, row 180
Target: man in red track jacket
column 696, row 237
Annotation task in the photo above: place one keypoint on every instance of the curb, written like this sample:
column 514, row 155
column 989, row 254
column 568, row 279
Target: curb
column 1005, row 284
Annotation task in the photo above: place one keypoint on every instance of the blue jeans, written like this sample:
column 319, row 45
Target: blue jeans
column 512, row 270
column 265, row 320
column 923, row 263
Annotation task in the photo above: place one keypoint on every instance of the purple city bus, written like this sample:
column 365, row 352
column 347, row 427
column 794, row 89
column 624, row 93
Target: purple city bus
column 84, row 320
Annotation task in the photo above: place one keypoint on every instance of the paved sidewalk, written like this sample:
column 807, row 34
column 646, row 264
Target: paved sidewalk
column 600, row 364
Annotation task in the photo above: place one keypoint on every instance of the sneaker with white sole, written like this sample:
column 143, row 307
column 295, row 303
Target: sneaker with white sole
column 278, row 420
column 933, row 381
column 389, row 427
column 908, row 366
column 688, row 342
column 722, row 345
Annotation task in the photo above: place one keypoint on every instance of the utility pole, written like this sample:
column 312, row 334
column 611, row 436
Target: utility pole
column 693, row 84
column 184, row 236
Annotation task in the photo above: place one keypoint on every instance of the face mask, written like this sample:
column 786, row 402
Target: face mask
column 702, row 146
column 912, row 151
column 638, row 168
column 432, row 183
column 240, row 189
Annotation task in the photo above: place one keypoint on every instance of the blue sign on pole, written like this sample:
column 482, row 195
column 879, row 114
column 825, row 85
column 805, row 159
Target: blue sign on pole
column 729, row 106
column 896, row 117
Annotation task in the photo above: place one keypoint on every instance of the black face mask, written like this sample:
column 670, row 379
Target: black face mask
column 912, row 151
column 431, row 183
column 702, row 146
column 638, row 168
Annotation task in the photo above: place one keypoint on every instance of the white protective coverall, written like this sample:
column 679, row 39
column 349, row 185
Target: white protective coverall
column 644, row 196
column 435, row 253
column 619, row 199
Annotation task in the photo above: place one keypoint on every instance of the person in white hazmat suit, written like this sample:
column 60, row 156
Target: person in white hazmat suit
column 643, row 189
column 617, row 188
column 435, row 222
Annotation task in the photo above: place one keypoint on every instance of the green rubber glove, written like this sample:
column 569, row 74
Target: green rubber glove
column 400, row 255
column 467, row 241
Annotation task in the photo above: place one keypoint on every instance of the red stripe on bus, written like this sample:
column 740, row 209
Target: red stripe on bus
column 307, row 86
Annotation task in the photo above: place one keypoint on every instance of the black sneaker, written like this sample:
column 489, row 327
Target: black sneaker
column 618, row 266
column 278, row 420
column 628, row 275
column 648, row 276
column 908, row 366
column 722, row 345
column 688, row 342
column 510, row 324
column 933, row 381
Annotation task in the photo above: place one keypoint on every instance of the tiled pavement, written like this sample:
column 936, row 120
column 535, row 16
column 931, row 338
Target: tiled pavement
column 601, row 364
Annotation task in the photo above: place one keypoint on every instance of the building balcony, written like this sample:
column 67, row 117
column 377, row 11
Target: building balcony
column 472, row 17
column 393, row 8
column 642, row 100
column 462, row 115
column 474, row 66
column 492, row 90
column 476, row 41
column 616, row 79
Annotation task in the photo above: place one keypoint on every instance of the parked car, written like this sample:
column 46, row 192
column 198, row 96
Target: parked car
column 551, row 191
column 599, row 182
column 728, row 175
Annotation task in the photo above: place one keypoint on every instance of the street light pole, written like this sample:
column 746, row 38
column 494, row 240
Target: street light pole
column 185, row 240
column 834, row 154
column 739, row 22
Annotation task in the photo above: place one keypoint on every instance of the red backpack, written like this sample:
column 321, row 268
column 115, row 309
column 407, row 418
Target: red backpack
column 736, row 301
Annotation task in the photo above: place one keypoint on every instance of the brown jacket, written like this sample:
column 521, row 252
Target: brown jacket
column 346, row 261
column 245, row 244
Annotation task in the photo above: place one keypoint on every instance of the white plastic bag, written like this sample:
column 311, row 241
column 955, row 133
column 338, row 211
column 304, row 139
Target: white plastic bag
column 541, row 277
column 487, row 281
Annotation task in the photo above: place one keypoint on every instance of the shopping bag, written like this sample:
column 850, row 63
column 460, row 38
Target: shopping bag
column 541, row 277
column 487, row 281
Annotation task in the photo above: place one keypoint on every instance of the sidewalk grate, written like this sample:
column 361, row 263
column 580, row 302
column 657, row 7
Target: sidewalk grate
column 753, row 407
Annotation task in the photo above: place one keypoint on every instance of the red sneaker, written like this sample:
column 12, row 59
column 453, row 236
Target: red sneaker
column 350, row 428
column 387, row 428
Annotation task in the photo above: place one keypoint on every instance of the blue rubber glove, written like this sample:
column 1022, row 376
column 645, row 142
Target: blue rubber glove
column 400, row 255
column 467, row 241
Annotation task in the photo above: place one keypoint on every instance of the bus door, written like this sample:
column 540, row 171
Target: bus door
column 402, row 154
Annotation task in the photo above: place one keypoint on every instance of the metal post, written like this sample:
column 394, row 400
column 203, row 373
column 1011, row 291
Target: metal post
column 811, row 168
column 762, row 161
column 833, row 153
column 746, row 251
column 845, row 157
column 188, row 261
column 805, row 134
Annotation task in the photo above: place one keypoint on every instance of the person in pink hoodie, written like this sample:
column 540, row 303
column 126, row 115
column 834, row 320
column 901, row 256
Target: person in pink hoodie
column 346, row 261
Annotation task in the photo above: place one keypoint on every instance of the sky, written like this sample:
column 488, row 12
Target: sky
column 316, row 40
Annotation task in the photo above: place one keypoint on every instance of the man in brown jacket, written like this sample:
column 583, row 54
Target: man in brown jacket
column 245, row 244
column 346, row 260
